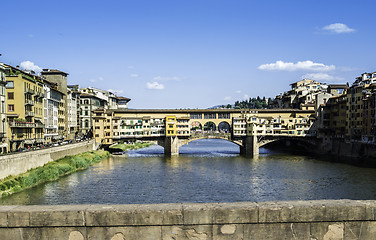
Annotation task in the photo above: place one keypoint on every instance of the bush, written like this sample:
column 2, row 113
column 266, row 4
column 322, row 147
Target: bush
column 17, row 188
column 65, row 168
column 3, row 187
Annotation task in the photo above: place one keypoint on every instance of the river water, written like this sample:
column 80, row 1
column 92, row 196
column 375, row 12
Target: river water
column 205, row 171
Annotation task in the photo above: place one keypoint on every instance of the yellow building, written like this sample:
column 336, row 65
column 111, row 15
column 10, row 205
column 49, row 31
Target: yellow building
column 24, row 97
column 171, row 126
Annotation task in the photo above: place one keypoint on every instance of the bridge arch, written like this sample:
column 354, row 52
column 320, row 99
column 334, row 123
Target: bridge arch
column 196, row 126
column 210, row 126
column 239, row 143
column 224, row 127
column 301, row 142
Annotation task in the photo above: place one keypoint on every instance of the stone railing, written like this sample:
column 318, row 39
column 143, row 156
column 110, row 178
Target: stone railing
column 321, row 219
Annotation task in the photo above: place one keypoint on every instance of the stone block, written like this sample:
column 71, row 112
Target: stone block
column 231, row 213
column 4, row 215
column 360, row 230
column 328, row 230
column 198, row 213
column 274, row 231
column 311, row 211
column 55, row 233
column 120, row 233
column 147, row 215
column 19, row 216
column 228, row 232
column 172, row 214
column 370, row 206
column 110, row 215
column 343, row 210
column 58, row 216
column 199, row 232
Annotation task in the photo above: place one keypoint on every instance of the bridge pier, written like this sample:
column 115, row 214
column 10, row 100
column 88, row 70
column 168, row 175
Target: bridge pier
column 170, row 144
column 250, row 146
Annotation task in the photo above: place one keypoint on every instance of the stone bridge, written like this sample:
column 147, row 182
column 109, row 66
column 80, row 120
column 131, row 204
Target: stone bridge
column 171, row 128
column 249, row 145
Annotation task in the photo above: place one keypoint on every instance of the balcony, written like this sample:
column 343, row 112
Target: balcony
column 29, row 102
column 29, row 114
column 29, row 90
column 22, row 124
column 39, row 94
column 39, row 125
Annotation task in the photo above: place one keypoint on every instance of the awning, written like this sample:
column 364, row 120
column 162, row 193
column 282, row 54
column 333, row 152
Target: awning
column 28, row 141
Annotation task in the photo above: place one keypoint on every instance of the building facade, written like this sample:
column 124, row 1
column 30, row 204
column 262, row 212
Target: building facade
column 3, row 118
column 24, row 93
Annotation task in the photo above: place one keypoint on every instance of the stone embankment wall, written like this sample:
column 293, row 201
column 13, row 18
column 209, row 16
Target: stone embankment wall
column 353, row 149
column 312, row 220
column 17, row 163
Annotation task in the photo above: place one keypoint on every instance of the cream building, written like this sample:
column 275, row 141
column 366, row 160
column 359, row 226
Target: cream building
column 3, row 117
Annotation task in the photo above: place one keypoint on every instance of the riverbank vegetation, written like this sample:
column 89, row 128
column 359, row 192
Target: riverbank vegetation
column 50, row 172
column 131, row 146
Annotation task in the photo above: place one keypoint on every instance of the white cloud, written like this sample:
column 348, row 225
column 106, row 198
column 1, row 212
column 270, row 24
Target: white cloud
column 238, row 91
column 321, row 77
column 93, row 80
column 289, row 66
column 338, row 28
column 245, row 97
column 134, row 75
column 115, row 91
column 130, row 67
column 28, row 65
column 159, row 78
column 155, row 85
column 30, row 35
column 228, row 98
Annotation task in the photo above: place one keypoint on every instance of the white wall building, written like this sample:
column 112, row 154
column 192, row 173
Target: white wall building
column 3, row 122
column 51, row 107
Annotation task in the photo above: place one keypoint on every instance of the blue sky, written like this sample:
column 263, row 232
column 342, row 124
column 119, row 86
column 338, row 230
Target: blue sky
column 192, row 53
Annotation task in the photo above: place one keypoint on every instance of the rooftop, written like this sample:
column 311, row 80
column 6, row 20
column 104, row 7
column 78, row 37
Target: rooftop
column 53, row 71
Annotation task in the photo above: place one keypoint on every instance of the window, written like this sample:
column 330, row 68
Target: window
column 210, row 115
column 11, row 108
column 10, row 95
column 10, row 84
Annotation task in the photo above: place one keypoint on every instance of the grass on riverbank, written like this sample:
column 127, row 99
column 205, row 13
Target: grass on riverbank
column 50, row 172
column 125, row 146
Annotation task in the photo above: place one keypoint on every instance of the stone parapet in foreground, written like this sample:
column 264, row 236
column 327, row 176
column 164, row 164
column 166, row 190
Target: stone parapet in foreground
column 321, row 219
